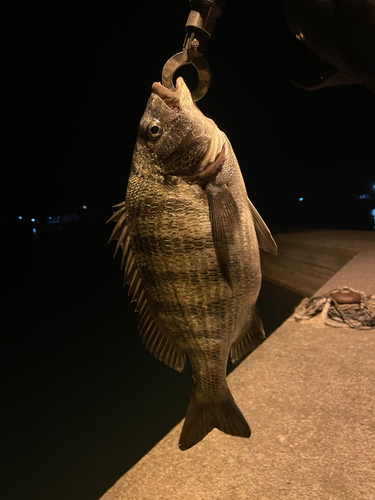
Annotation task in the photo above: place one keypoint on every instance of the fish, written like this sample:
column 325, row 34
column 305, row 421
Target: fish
column 190, row 240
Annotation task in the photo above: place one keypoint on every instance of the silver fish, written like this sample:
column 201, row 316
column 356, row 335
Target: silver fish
column 190, row 242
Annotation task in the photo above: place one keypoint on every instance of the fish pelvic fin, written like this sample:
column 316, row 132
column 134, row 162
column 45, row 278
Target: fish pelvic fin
column 205, row 414
column 251, row 337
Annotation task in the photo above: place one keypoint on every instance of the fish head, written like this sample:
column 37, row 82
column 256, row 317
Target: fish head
column 175, row 138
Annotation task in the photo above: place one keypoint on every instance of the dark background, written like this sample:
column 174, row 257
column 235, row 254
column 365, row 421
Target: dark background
column 82, row 399
column 78, row 75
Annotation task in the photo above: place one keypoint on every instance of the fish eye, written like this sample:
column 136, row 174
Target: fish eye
column 154, row 130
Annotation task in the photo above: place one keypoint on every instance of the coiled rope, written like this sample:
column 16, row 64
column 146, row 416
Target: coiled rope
column 343, row 307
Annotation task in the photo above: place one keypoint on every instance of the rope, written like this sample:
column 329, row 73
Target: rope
column 359, row 316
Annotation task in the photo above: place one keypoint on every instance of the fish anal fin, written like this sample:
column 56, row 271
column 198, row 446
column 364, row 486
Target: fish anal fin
column 156, row 342
column 265, row 239
column 251, row 337
column 224, row 217
column 205, row 414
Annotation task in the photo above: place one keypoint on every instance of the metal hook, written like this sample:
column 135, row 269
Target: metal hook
column 198, row 28
column 182, row 59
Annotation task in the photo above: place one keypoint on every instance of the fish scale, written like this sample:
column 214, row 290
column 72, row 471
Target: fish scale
column 177, row 292
column 190, row 240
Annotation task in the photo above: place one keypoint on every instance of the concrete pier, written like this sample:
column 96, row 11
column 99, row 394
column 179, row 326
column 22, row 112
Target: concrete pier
column 307, row 259
column 308, row 393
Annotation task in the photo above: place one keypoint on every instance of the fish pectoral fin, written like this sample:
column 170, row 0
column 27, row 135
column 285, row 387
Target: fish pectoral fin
column 224, row 217
column 265, row 239
column 251, row 337
column 152, row 336
column 204, row 414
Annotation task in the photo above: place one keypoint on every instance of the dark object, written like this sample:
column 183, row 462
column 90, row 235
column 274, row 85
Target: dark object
column 313, row 73
column 339, row 32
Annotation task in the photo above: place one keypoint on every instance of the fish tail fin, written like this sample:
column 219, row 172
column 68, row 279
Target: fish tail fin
column 204, row 415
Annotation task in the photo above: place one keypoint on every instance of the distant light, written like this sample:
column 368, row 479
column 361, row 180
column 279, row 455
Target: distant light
column 300, row 199
column 84, row 207
column 49, row 218
column 20, row 217
column 373, row 212
column 33, row 220
column 364, row 196
column 34, row 230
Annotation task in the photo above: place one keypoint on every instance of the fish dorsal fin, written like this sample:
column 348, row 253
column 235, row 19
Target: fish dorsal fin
column 154, row 339
column 251, row 337
column 265, row 239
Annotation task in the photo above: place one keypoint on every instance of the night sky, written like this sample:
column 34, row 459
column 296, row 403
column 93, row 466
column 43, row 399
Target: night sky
column 78, row 76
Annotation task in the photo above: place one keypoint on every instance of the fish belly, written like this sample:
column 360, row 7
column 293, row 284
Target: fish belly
column 191, row 302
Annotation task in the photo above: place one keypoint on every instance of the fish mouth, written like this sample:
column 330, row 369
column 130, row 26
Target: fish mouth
column 172, row 98
column 180, row 99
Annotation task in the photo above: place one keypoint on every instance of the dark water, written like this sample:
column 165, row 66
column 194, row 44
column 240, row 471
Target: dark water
column 82, row 399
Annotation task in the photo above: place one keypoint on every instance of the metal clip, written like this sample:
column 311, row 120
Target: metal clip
column 199, row 27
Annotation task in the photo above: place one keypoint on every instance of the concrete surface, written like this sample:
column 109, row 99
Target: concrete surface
column 309, row 258
column 361, row 270
column 308, row 393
